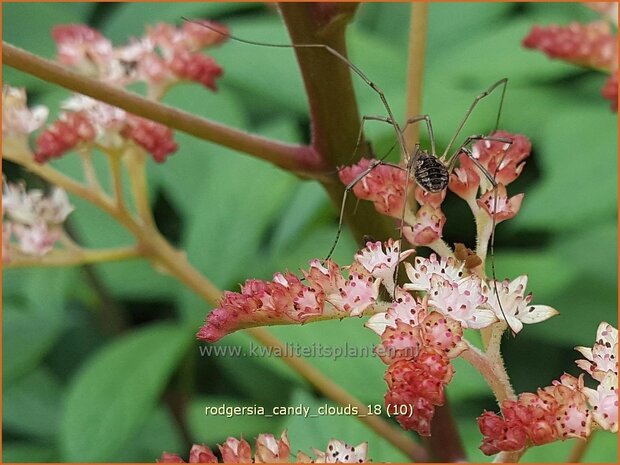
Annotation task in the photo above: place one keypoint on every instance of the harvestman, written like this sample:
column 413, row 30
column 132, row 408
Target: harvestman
column 429, row 171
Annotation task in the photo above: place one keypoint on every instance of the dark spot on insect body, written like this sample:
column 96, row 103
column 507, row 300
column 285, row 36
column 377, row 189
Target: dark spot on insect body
column 430, row 173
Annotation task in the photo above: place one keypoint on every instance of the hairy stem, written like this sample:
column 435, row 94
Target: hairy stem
column 298, row 159
column 494, row 374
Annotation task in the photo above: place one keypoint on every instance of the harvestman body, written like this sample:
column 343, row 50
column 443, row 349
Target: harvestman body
column 429, row 171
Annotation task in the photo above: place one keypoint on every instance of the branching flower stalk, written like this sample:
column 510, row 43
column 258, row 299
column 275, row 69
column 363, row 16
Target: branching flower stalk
column 150, row 244
column 420, row 326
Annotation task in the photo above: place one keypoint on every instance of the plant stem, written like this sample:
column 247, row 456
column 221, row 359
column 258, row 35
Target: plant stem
column 493, row 373
column 580, row 448
column 74, row 257
column 296, row 158
column 135, row 163
column 418, row 27
column 445, row 442
column 333, row 106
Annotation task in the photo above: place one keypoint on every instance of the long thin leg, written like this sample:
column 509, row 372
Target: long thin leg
column 502, row 82
column 335, row 53
column 429, row 127
column 383, row 119
column 467, row 151
column 464, row 148
column 347, row 189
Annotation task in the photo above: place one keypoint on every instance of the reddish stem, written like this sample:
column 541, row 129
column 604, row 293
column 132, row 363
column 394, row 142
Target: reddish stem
column 299, row 159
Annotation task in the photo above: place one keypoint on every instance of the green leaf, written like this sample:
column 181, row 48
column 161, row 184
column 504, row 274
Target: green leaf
column 110, row 397
column 128, row 18
column 225, row 231
column 270, row 76
column 37, row 395
column 37, row 37
column 576, row 187
column 315, row 432
column 158, row 434
column 241, row 369
column 32, row 322
column 466, row 384
column 215, row 428
column 342, row 351
column 27, row 451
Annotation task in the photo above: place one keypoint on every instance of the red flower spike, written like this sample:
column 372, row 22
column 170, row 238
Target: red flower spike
column 499, row 436
column 63, row 135
column 555, row 412
column 196, row 67
column 384, row 186
column 155, row 138
column 592, row 45
column 418, row 383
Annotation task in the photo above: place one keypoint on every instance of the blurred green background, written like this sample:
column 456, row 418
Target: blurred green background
column 93, row 356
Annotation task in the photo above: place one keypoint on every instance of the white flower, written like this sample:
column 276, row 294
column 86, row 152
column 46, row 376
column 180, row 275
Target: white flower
column 513, row 305
column 420, row 274
column 405, row 308
column 17, row 118
column 604, row 402
column 35, row 239
column 341, row 452
column 33, row 207
column 462, row 301
column 603, row 356
column 382, row 265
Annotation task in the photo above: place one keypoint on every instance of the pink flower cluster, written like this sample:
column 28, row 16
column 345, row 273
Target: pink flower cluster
column 271, row 450
column 566, row 409
column 419, row 336
column 592, row 45
column 164, row 56
column 385, row 187
column 87, row 123
column 287, row 300
column 555, row 412
column 417, row 346
column 31, row 220
column 504, row 162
